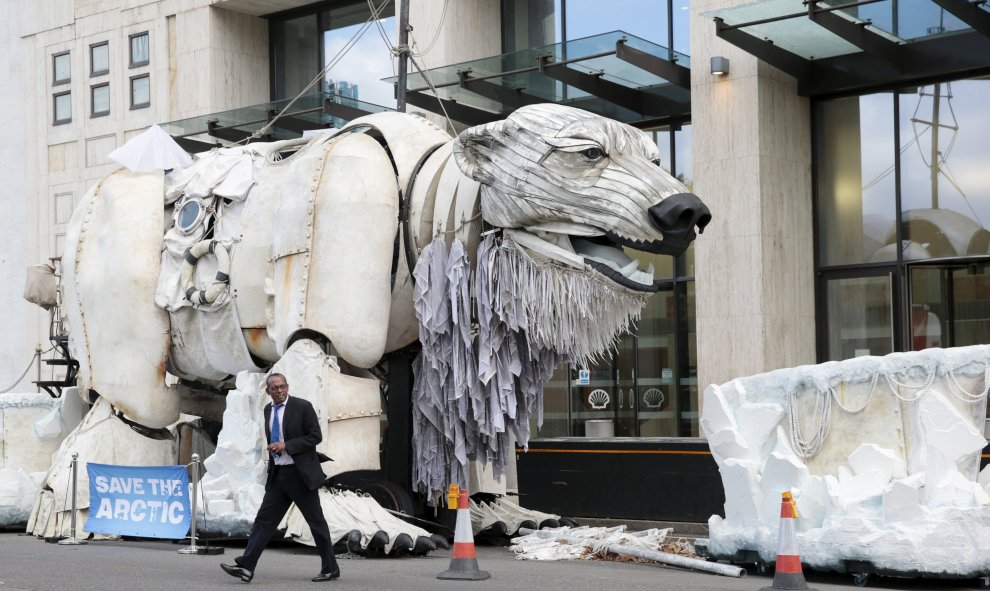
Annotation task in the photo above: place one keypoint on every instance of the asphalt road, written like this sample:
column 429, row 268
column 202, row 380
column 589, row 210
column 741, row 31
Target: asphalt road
column 27, row 563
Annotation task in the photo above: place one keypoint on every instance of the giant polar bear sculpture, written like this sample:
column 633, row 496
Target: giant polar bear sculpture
column 272, row 246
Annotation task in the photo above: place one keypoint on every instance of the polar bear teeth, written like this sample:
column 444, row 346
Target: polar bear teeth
column 615, row 259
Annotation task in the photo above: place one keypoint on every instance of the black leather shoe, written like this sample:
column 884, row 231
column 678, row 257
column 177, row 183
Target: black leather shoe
column 327, row 576
column 236, row 570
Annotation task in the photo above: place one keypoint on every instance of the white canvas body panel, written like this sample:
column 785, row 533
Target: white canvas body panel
column 339, row 198
column 292, row 235
column 352, row 303
column 349, row 407
column 117, row 333
column 423, row 199
column 403, row 328
column 207, row 342
column 251, row 263
column 407, row 137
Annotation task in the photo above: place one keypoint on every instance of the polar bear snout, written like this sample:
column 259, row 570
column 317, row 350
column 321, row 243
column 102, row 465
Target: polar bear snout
column 677, row 216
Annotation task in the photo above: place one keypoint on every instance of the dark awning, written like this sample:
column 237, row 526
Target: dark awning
column 615, row 74
column 845, row 47
column 316, row 111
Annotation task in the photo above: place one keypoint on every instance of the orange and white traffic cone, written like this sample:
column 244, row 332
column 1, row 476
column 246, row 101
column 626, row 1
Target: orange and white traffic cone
column 464, row 563
column 787, row 573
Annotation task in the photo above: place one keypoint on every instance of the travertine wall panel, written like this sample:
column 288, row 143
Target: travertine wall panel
column 752, row 162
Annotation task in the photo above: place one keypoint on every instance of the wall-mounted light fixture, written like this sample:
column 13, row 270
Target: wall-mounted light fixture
column 720, row 65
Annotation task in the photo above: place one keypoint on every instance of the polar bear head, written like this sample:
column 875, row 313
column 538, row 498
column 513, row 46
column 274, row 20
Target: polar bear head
column 577, row 187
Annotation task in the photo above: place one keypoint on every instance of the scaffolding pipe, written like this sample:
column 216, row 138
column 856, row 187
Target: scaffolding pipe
column 726, row 570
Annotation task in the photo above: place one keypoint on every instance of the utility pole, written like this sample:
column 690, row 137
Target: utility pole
column 935, row 155
column 400, row 89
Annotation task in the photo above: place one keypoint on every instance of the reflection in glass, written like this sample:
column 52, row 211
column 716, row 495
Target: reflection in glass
column 188, row 215
column 687, row 374
column 949, row 307
column 859, row 317
column 140, row 50
column 682, row 25
column 554, row 406
column 683, row 141
column 140, row 91
column 63, row 107
column 945, row 195
column 100, row 97
column 358, row 74
column 856, row 182
column 530, row 23
column 656, row 365
column 61, row 67
column 643, row 18
column 99, row 57
column 297, row 55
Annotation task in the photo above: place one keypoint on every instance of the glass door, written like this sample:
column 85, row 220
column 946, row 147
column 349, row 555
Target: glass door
column 949, row 305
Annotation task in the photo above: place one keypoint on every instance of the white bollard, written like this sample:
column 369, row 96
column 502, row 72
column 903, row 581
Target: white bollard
column 72, row 541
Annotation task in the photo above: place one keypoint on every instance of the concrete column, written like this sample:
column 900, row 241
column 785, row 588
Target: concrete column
column 469, row 31
column 220, row 62
column 752, row 166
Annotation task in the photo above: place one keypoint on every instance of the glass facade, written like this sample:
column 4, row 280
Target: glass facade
column 650, row 382
column 534, row 23
column 902, row 203
column 341, row 39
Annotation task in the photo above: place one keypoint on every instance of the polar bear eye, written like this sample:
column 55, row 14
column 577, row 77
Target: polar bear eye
column 656, row 162
column 593, row 153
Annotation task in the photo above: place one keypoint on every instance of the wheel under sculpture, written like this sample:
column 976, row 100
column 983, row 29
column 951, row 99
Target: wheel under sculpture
column 315, row 258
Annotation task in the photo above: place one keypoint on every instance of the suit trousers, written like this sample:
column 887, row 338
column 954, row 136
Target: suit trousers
column 286, row 487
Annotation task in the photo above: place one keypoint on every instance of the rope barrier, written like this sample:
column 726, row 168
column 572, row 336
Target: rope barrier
column 36, row 355
column 822, row 413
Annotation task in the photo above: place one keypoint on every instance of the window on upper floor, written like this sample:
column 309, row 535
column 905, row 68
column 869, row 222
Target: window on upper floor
column 99, row 59
column 140, row 50
column 100, row 100
column 140, row 91
column 61, row 70
column 62, row 108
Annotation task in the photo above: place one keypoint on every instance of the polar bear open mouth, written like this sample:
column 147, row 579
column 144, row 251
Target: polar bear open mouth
column 582, row 246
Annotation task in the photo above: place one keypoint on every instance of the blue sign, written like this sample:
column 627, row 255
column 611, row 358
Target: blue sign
column 145, row 501
column 584, row 377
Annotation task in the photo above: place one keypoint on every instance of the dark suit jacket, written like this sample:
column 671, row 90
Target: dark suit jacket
column 301, row 431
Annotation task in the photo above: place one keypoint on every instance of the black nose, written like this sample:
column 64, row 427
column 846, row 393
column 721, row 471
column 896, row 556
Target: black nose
column 677, row 215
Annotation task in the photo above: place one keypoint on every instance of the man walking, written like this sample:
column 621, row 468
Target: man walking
column 294, row 476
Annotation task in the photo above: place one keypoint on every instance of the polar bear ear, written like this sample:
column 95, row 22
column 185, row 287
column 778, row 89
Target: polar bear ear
column 473, row 150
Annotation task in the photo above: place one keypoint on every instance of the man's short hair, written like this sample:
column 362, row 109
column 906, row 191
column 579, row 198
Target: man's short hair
column 268, row 382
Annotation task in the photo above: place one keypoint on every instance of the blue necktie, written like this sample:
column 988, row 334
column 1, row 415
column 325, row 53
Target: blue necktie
column 276, row 426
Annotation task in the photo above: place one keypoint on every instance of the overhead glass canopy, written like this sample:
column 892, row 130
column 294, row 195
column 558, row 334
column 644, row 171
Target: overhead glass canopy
column 613, row 74
column 309, row 112
column 836, row 47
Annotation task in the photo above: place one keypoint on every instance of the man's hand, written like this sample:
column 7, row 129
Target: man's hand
column 277, row 448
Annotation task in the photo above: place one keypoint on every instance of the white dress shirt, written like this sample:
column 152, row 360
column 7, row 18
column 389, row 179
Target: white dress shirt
column 282, row 459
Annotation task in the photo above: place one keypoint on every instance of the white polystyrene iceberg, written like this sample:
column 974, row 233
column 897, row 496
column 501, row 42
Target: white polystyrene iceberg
column 891, row 479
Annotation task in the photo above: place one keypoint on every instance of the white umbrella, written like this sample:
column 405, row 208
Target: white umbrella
column 152, row 150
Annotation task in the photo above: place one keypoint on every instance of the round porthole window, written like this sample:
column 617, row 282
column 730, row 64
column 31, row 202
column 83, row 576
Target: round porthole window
column 188, row 215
